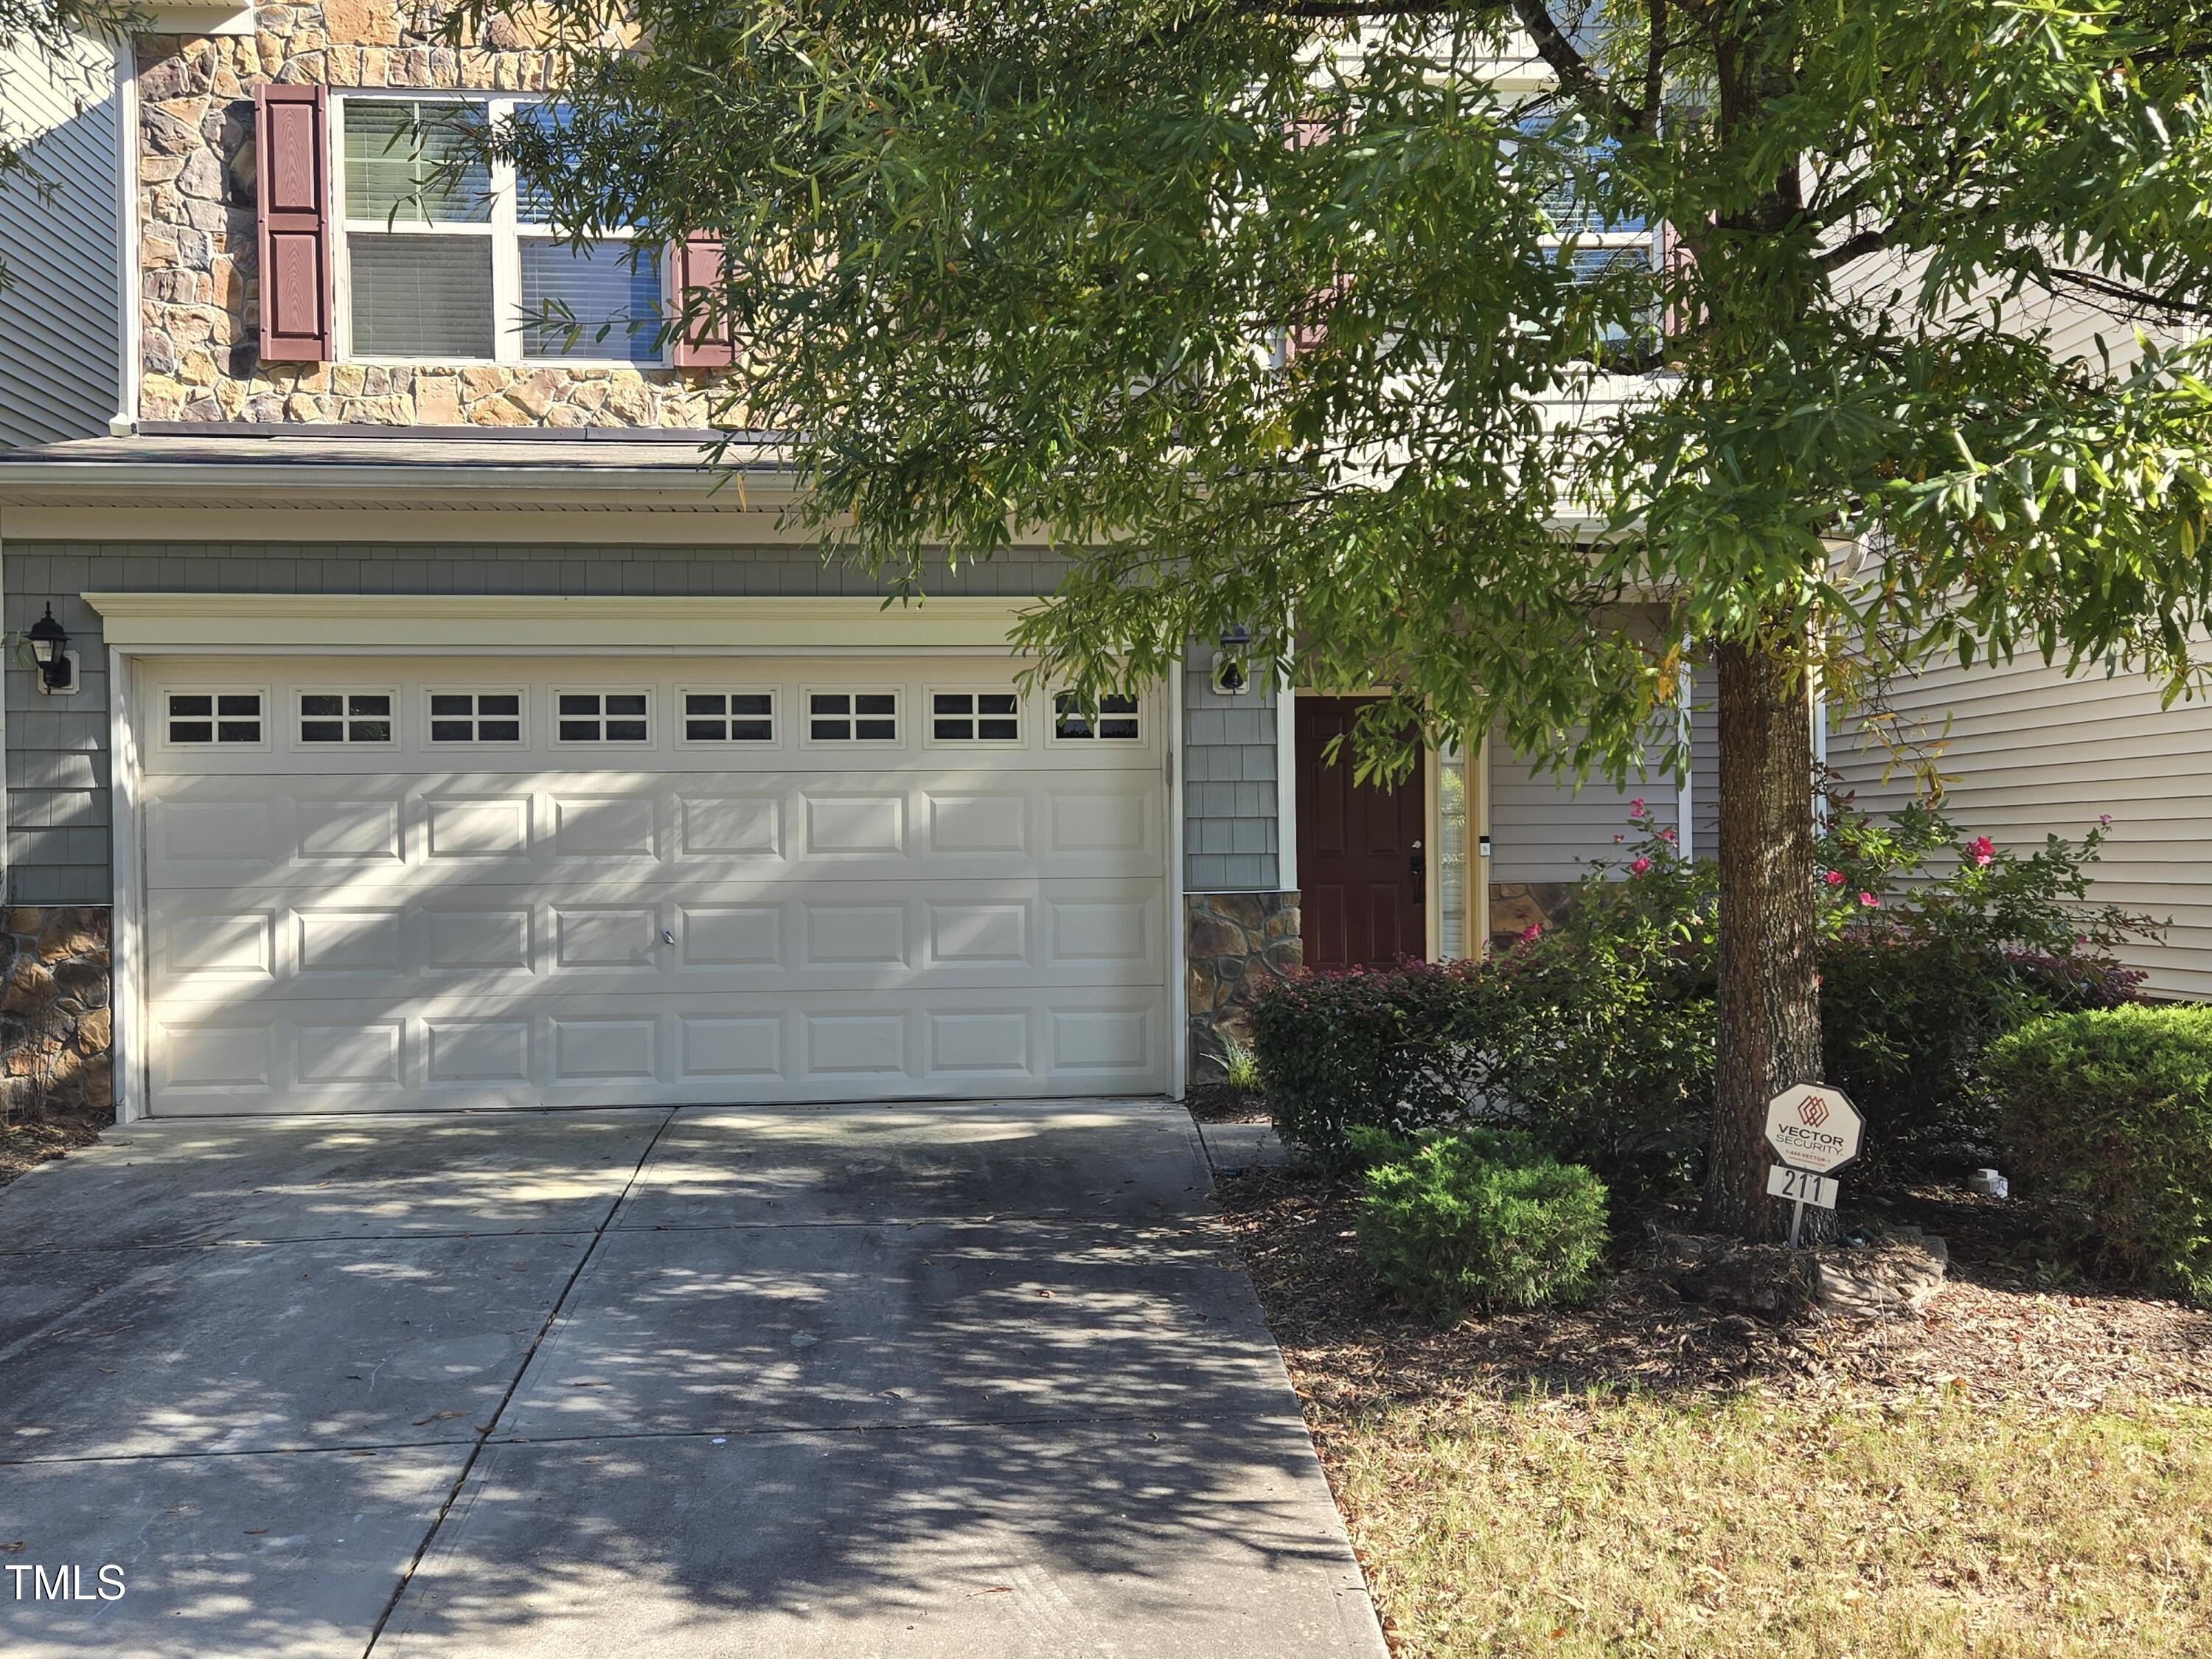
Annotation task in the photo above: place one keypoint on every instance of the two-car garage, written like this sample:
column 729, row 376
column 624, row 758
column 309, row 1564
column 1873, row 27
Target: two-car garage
column 382, row 881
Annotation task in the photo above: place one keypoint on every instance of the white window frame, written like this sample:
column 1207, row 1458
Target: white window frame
column 899, row 726
column 347, row 741
column 554, row 716
column 505, row 232
column 1139, row 713
column 930, row 741
column 215, row 745
column 520, row 694
column 681, row 717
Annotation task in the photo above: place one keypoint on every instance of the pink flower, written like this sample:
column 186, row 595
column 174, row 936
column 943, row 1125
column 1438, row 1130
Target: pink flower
column 1529, row 933
column 1639, row 866
column 2105, row 819
column 1619, row 838
column 1834, row 878
column 1870, row 900
column 1636, row 807
column 1983, row 848
column 1666, row 835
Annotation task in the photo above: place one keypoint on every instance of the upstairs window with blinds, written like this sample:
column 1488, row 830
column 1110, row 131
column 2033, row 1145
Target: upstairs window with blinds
column 448, row 259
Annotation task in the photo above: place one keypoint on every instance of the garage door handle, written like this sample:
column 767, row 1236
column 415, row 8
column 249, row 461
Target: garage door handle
column 667, row 938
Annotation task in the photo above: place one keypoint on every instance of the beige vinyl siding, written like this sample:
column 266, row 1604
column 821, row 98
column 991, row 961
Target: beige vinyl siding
column 60, row 322
column 1543, row 828
column 2029, row 752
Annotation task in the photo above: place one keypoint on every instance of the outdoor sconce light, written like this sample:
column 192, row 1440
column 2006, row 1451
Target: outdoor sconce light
column 1230, row 679
column 56, row 663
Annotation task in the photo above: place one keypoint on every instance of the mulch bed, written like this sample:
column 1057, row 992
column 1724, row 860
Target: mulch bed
column 1217, row 1102
column 27, row 1142
column 2007, row 1324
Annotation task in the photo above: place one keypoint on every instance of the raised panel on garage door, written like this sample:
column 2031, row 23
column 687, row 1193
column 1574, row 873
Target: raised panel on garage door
column 473, row 897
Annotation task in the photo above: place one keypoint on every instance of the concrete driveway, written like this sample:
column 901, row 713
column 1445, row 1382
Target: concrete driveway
column 971, row 1380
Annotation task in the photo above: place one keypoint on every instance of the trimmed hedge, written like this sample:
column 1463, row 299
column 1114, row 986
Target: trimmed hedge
column 2108, row 1112
column 1476, row 1220
column 1372, row 1048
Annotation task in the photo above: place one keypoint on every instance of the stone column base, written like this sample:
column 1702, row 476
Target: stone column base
column 1235, row 943
column 55, row 1024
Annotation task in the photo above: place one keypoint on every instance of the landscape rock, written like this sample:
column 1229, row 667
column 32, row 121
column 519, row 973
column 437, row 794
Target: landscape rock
column 1894, row 1274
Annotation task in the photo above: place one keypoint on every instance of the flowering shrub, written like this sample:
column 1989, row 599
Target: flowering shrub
column 1596, row 1036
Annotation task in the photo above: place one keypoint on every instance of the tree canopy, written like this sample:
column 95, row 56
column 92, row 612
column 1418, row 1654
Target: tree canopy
column 1310, row 318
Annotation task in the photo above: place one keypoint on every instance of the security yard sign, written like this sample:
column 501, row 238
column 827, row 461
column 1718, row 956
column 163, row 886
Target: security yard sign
column 1813, row 1127
column 1815, row 1130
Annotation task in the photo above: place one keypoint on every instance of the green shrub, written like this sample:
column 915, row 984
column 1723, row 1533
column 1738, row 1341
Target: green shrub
column 1598, row 1040
column 1377, row 1047
column 2108, row 1112
column 1461, row 1221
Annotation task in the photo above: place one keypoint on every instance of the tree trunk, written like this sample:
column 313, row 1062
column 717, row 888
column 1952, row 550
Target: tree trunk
column 1769, row 992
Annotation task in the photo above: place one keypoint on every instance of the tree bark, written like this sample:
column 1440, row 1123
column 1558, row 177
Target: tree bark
column 1769, row 990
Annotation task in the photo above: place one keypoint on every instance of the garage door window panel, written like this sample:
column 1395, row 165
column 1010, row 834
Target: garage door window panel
column 214, row 719
column 993, row 719
column 601, row 719
column 858, row 716
column 491, row 720
column 729, row 716
column 1115, row 720
column 346, row 719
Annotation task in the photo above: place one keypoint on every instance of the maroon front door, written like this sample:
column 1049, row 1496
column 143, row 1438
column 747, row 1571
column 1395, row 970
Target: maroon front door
column 1360, row 875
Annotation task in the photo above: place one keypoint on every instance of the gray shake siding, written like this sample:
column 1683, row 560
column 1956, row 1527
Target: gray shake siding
column 58, row 762
column 1231, row 837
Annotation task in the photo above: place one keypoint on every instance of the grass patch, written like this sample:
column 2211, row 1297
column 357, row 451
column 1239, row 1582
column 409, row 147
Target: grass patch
column 1714, row 1527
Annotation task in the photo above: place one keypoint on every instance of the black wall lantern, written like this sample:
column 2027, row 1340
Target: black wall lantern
column 1230, row 678
column 49, row 643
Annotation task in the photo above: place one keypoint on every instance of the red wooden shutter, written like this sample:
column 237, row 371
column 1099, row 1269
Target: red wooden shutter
column 703, row 343
column 291, row 129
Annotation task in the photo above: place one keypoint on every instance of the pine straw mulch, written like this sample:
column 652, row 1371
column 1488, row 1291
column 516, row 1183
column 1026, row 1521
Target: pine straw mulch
column 2007, row 1326
column 27, row 1142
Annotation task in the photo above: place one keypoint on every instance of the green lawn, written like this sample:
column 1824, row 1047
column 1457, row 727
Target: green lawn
column 1770, row 1527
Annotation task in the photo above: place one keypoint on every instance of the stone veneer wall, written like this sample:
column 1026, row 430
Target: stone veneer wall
column 55, row 1026
column 199, row 298
column 1236, row 942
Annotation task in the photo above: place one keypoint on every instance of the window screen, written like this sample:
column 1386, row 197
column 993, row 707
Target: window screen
column 422, row 296
column 407, row 160
column 590, row 301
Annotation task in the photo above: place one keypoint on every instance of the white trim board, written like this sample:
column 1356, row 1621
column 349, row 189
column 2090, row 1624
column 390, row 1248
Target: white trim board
column 234, row 624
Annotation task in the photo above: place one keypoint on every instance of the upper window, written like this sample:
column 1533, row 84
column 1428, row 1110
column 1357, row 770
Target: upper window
column 729, row 717
column 215, row 718
column 345, row 717
column 851, row 716
column 975, row 717
column 601, row 716
column 475, row 717
column 1114, row 718
column 447, row 260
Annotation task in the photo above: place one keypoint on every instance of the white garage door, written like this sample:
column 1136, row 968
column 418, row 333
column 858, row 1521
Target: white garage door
column 384, row 884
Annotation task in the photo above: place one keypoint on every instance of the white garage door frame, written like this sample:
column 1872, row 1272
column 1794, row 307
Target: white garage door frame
column 476, row 627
